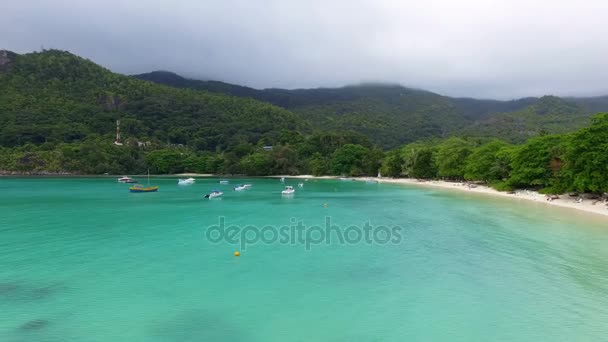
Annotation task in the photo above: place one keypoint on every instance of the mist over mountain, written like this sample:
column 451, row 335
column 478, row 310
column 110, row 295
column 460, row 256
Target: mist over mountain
column 57, row 96
column 392, row 114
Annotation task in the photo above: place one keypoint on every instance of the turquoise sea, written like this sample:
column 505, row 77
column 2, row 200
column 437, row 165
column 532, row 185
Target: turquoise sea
column 82, row 259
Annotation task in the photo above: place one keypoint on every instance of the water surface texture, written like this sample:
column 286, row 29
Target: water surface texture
column 82, row 259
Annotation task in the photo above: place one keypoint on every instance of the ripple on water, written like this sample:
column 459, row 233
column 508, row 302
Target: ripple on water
column 17, row 291
column 199, row 325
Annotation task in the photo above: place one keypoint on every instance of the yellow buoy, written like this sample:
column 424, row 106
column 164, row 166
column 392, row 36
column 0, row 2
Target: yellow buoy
column 237, row 253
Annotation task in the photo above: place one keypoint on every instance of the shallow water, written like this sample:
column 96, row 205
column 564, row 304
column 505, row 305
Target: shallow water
column 85, row 260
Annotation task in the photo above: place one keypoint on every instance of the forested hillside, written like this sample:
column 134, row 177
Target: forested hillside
column 54, row 96
column 58, row 114
column 391, row 115
column 547, row 115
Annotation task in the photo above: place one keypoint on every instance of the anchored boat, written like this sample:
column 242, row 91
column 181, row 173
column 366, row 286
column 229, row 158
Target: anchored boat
column 187, row 181
column 214, row 194
column 289, row 190
column 141, row 188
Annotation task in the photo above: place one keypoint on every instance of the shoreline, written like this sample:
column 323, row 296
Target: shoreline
column 301, row 177
column 587, row 205
column 599, row 208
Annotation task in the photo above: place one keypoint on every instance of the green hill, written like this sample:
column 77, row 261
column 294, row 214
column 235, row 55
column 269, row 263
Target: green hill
column 392, row 115
column 54, row 96
column 549, row 114
column 58, row 112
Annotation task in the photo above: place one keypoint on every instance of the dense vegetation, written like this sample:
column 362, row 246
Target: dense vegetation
column 56, row 97
column 58, row 113
column 552, row 163
column 391, row 115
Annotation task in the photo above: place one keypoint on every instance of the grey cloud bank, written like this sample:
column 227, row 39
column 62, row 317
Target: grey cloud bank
column 483, row 49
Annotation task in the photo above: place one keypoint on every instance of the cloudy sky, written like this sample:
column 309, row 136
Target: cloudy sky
column 476, row 48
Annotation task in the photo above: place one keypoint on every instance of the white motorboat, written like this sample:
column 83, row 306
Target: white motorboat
column 240, row 187
column 126, row 179
column 186, row 181
column 224, row 181
column 214, row 194
column 289, row 190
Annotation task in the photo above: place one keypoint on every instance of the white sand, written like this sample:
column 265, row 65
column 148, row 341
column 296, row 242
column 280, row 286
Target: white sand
column 564, row 201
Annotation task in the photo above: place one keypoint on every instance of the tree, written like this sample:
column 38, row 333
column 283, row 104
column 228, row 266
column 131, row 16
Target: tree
column 539, row 163
column 418, row 160
column 373, row 161
column 451, row 158
column 285, row 160
column 318, row 165
column 391, row 164
column 166, row 161
column 486, row 163
column 587, row 157
column 257, row 164
column 349, row 160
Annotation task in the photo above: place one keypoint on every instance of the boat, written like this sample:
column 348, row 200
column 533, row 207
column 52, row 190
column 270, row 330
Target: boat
column 214, row 194
column 141, row 188
column 247, row 186
column 240, row 187
column 186, row 181
column 126, row 179
column 289, row 190
column 300, row 185
column 223, row 181
column 283, row 179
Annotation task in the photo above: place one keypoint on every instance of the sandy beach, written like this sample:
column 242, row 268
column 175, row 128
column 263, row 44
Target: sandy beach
column 564, row 201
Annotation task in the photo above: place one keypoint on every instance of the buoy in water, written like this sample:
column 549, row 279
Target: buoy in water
column 237, row 253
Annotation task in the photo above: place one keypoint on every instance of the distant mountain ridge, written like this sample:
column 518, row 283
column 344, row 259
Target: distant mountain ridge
column 392, row 114
column 55, row 96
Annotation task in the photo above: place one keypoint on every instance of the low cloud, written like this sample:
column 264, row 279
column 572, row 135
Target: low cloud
column 484, row 49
